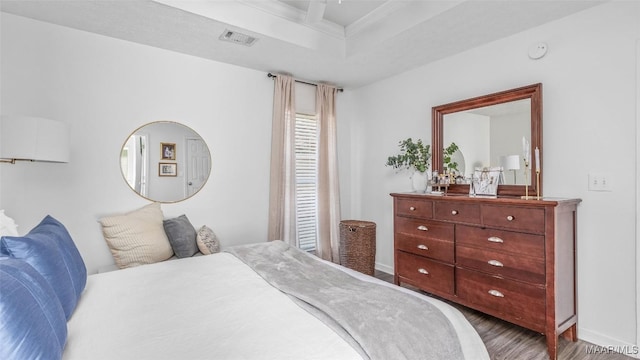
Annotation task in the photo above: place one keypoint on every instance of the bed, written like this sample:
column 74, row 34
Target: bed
column 259, row 301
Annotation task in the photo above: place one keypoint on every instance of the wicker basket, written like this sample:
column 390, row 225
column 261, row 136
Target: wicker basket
column 358, row 245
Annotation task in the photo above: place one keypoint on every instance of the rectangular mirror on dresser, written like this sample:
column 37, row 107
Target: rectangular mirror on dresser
column 511, row 256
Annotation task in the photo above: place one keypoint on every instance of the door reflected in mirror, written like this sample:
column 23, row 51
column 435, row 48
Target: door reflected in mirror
column 148, row 147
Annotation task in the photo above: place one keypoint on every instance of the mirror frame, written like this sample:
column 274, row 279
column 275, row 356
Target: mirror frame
column 151, row 168
column 532, row 92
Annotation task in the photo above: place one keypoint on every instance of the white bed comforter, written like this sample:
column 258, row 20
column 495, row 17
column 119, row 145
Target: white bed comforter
column 207, row 307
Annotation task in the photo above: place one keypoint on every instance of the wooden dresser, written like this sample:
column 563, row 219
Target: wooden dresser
column 510, row 258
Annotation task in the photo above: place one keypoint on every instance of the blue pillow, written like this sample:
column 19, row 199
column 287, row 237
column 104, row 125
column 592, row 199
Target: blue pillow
column 32, row 322
column 50, row 250
column 70, row 254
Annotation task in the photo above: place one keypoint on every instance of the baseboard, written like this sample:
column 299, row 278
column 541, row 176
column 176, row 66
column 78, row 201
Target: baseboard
column 384, row 268
column 607, row 344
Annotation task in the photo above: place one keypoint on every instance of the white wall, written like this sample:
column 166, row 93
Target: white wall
column 637, row 188
column 589, row 91
column 104, row 89
column 471, row 132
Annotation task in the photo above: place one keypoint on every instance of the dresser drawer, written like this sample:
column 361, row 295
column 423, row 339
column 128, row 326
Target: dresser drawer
column 424, row 229
column 426, row 274
column 414, row 208
column 501, row 264
column 426, row 246
column 511, row 300
column 501, row 240
column 457, row 211
column 513, row 217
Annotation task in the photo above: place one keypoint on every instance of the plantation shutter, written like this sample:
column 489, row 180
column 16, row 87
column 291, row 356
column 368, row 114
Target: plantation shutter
column 306, row 179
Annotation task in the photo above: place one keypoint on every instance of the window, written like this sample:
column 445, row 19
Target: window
column 306, row 132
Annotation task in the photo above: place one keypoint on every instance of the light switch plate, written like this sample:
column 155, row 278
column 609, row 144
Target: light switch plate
column 599, row 182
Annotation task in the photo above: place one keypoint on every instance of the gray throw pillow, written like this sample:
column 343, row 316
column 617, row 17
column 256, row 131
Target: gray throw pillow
column 182, row 236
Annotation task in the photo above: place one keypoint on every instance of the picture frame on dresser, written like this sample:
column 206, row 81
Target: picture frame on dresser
column 484, row 182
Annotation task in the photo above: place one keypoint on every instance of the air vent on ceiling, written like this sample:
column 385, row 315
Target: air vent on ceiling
column 238, row 38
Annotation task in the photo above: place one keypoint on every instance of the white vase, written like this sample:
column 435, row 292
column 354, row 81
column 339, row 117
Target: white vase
column 419, row 181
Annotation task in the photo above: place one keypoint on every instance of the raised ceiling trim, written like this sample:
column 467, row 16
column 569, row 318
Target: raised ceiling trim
column 374, row 17
column 244, row 15
column 287, row 12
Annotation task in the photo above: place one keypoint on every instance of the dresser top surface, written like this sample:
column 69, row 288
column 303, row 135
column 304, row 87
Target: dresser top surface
column 502, row 200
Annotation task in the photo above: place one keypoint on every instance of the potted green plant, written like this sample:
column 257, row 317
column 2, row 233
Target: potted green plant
column 413, row 156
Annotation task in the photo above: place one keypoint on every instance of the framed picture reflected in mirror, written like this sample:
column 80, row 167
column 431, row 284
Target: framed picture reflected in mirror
column 167, row 169
column 167, row 151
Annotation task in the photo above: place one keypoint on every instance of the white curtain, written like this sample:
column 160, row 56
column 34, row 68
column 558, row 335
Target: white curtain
column 282, row 199
column 282, row 194
column 328, row 182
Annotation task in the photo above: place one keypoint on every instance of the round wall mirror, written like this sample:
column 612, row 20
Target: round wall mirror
column 165, row 161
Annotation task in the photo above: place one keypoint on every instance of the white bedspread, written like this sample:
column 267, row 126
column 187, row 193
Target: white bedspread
column 207, row 307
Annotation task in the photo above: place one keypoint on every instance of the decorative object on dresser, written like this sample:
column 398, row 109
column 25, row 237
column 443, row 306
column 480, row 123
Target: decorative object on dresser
column 526, row 157
column 413, row 156
column 508, row 257
column 484, row 182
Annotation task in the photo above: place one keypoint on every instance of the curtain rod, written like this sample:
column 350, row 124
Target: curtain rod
column 303, row 82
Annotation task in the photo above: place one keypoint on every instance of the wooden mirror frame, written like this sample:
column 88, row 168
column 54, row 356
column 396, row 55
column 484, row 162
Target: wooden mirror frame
column 533, row 92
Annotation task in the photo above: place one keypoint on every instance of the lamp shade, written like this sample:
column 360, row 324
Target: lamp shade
column 510, row 162
column 33, row 138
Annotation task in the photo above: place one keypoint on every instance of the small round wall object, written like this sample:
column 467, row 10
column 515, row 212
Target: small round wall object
column 537, row 51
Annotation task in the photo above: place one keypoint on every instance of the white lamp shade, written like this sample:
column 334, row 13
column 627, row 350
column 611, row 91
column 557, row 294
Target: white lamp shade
column 510, row 162
column 33, row 138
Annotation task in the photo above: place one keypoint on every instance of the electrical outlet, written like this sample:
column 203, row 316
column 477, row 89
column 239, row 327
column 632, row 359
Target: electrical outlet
column 599, row 182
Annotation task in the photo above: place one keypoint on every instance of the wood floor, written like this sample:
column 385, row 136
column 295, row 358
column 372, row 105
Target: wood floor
column 507, row 341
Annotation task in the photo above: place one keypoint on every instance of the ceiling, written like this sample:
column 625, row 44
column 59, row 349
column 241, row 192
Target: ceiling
column 349, row 43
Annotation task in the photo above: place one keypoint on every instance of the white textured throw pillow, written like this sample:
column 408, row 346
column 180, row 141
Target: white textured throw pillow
column 137, row 237
column 207, row 241
column 8, row 227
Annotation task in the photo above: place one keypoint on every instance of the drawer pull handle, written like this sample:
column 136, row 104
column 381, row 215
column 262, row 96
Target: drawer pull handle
column 423, row 271
column 423, row 228
column 495, row 263
column 510, row 218
column 454, row 212
column 412, row 208
column 496, row 293
column 495, row 239
column 423, row 247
